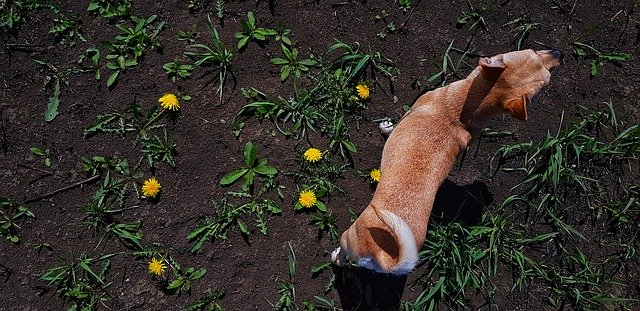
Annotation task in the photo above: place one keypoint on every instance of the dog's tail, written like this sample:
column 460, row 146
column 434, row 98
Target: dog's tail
column 407, row 249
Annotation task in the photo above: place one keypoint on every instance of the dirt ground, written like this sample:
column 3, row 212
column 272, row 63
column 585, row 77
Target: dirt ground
column 250, row 270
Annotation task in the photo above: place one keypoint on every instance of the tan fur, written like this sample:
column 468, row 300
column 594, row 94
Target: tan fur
column 421, row 150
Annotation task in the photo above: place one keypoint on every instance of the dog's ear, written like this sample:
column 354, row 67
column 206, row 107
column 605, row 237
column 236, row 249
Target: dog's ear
column 492, row 66
column 517, row 107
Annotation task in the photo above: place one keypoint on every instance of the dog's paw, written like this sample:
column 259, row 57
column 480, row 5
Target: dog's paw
column 335, row 256
column 385, row 127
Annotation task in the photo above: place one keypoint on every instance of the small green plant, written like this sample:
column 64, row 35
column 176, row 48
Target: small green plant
column 188, row 35
column 153, row 147
column 253, row 33
column 109, row 201
column 230, row 212
column 82, row 283
column 596, row 57
column 110, row 8
column 129, row 47
column 208, row 302
column 388, row 29
column 404, row 5
column 571, row 173
column 216, row 55
column 282, row 34
column 44, row 154
column 11, row 215
column 522, row 29
column 220, row 10
column 176, row 69
column 253, row 167
column 183, row 278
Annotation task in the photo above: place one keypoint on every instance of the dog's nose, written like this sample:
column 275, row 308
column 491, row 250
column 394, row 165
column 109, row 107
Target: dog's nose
column 557, row 54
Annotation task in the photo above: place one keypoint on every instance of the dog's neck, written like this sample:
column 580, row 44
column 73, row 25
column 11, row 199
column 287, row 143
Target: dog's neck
column 480, row 103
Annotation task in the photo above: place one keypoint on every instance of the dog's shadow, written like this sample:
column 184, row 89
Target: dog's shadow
column 362, row 289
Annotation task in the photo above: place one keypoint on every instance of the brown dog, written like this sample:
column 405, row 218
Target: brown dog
column 422, row 148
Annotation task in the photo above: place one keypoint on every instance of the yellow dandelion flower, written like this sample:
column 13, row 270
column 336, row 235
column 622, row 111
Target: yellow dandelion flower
column 375, row 175
column 169, row 101
column 313, row 155
column 363, row 90
column 150, row 188
column 156, row 266
column 307, row 198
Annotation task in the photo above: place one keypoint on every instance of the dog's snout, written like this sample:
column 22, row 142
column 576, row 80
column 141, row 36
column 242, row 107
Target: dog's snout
column 557, row 54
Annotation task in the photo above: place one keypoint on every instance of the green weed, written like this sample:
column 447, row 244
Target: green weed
column 67, row 30
column 251, row 32
column 183, row 278
column 110, row 8
column 448, row 69
column 92, row 55
column 44, row 154
column 573, row 172
column 14, row 11
column 253, row 167
column 229, row 214
column 287, row 291
column 404, row 5
column 388, row 29
column 79, row 283
column 128, row 48
column 330, row 103
column 159, row 149
column 472, row 18
column 54, row 78
column 132, row 119
column 596, row 57
column 208, row 302
column 216, row 55
column 176, row 69
column 12, row 214
column 291, row 65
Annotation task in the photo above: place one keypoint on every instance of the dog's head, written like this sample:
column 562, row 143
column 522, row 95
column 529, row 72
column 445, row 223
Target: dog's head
column 519, row 76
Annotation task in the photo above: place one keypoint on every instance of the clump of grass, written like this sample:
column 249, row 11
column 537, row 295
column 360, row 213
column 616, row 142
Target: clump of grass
column 448, row 69
column 83, row 282
column 14, row 12
column 251, row 32
column 472, row 18
column 331, row 103
column 216, row 55
column 569, row 174
column 154, row 148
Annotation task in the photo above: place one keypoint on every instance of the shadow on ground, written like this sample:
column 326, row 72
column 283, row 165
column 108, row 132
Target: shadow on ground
column 362, row 289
